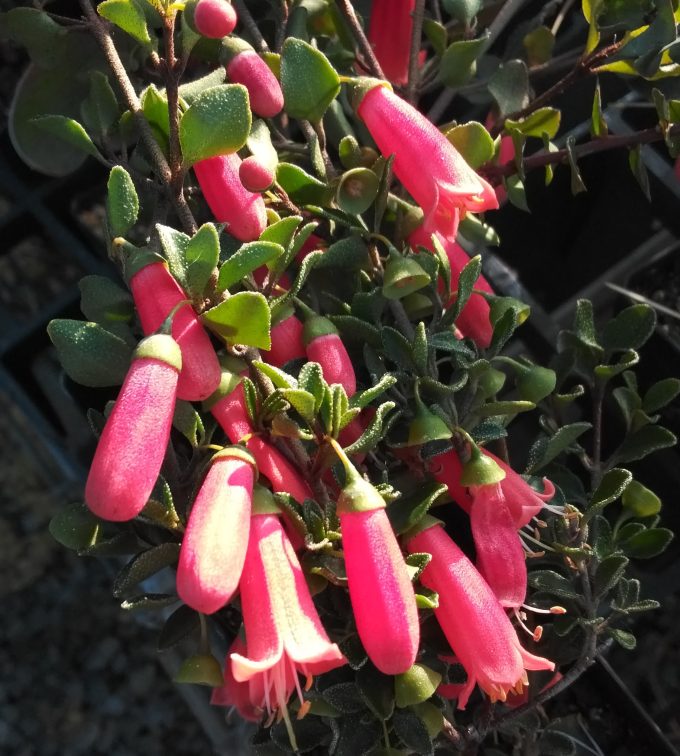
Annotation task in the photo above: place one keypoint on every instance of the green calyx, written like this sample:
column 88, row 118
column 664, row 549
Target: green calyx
column 134, row 258
column 201, row 669
column 403, row 276
column 361, row 86
column 418, row 305
column 162, row 347
column 230, row 47
column 316, row 327
column 426, row 426
column 236, row 452
column 263, row 501
column 480, row 470
column 425, row 523
column 357, row 495
column 533, row 382
column 228, row 382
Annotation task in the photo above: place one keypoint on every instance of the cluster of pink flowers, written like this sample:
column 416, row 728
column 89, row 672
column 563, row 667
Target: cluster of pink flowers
column 235, row 537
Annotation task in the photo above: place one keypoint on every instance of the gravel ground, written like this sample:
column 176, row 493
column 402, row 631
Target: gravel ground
column 77, row 674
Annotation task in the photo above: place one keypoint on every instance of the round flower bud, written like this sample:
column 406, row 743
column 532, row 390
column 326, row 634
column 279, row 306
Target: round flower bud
column 255, row 175
column 215, row 18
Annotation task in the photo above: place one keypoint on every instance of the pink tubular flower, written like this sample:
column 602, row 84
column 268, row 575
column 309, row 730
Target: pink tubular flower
column 155, row 293
column 230, row 202
column 478, row 630
column 474, row 321
column 426, row 163
column 284, row 635
column 245, row 66
column 324, row 345
column 215, row 18
column 447, row 468
column 287, row 342
column 214, row 544
column 389, row 33
column 500, row 555
column 132, row 446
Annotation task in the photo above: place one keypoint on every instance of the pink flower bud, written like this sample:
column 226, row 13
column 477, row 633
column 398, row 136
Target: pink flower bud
column 264, row 90
column 324, row 345
column 255, row 175
column 283, row 283
column 287, row 342
column 230, row 202
column 214, row 544
column 500, row 555
column 447, row 468
column 474, row 623
column 389, row 33
column 426, row 163
column 284, row 635
column 155, row 293
column 312, row 244
column 383, row 600
column 215, row 18
column 132, row 446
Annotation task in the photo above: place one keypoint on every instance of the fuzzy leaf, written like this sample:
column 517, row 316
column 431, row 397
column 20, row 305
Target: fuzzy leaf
column 122, row 202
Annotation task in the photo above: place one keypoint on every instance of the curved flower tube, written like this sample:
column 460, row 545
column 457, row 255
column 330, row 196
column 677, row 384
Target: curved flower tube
column 324, row 345
column 244, row 212
column 426, row 163
column 133, row 443
column 214, row 544
column 475, row 624
column 264, row 90
column 156, row 292
column 284, row 635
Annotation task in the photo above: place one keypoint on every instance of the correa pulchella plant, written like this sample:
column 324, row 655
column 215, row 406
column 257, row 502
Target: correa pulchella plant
column 313, row 390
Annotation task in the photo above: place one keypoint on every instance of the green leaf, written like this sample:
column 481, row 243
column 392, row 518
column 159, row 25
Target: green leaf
column 364, row 398
column 623, row 638
column 301, row 187
column 412, row 732
column 373, row 434
column 128, row 16
column 45, row 40
column 577, row 183
column 155, row 108
column 552, row 582
column 191, row 90
column 309, row 82
column 436, row 33
column 152, row 601
column 69, row 131
column 539, row 44
column 260, row 144
column 639, row 170
column 660, row 394
column 188, row 422
column 344, row 697
column 247, row 258
column 551, row 448
column 302, row 402
column 278, row 377
column 179, row 624
column 640, row 501
column 201, row 256
column 408, row 510
column 75, row 527
column 122, row 202
column 608, row 573
column 648, row 544
column 466, row 283
column 598, row 125
column 541, row 121
column 218, row 123
column 459, row 61
column 355, row 329
column 377, row 690
column 584, row 323
column 145, row 565
column 626, row 361
column 415, row 685
column 462, row 10
column 100, row 111
column 90, row 355
column 104, row 302
column 311, row 379
column 175, row 245
column 473, row 142
column 201, row 669
column 612, row 485
column 281, row 232
column 648, row 439
column 350, row 253
column 244, row 318
column 509, row 86
column 630, row 329
column 397, row 348
column 491, row 409
column 514, row 186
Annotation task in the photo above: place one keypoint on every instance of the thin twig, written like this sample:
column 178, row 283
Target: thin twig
column 161, row 165
column 416, row 39
column 249, row 22
column 347, row 11
column 561, row 16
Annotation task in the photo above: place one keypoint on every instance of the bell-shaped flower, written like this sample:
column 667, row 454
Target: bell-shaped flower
column 156, row 293
column 380, row 589
column 389, row 33
column 135, row 438
column 500, row 554
column 284, row 635
column 214, row 544
column 474, row 623
column 427, row 164
column 244, row 212
column 245, row 697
